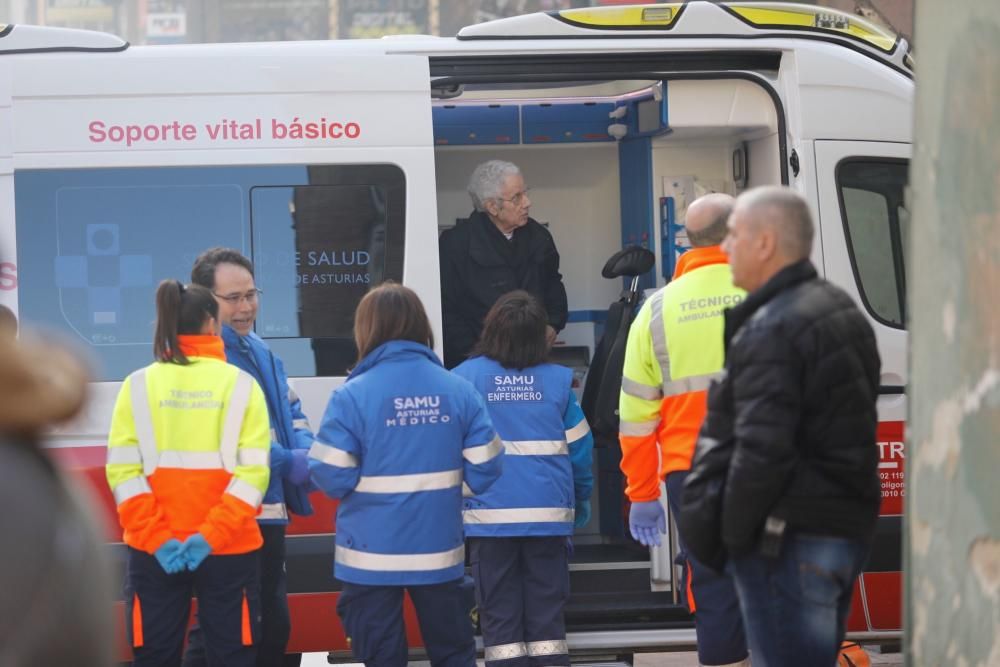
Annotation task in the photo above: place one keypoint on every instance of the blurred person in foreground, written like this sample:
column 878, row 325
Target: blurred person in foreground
column 784, row 483
column 400, row 443
column 56, row 602
column 518, row 531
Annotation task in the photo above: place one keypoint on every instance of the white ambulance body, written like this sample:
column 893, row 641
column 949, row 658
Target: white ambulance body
column 334, row 165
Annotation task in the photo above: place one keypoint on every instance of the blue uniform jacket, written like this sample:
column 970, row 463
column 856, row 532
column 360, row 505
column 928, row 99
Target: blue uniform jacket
column 289, row 427
column 400, row 443
column 548, row 451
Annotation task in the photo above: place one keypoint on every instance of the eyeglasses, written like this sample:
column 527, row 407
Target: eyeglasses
column 234, row 299
column 517, row 199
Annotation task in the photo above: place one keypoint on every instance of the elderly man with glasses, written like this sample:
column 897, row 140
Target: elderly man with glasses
column 229, row 275
column 498, row 249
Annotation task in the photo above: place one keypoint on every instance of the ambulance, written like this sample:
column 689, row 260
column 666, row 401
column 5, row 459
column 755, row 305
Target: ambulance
column 334, row 165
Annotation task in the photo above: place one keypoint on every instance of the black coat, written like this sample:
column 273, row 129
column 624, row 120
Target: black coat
column 479, row 265
column 790, row 429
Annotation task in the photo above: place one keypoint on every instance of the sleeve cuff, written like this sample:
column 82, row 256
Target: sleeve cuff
column 158, row 539
column 213, row 536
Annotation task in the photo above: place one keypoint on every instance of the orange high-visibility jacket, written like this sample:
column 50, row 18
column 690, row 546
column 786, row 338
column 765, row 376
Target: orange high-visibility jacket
column 674, row 351
column 188, row 452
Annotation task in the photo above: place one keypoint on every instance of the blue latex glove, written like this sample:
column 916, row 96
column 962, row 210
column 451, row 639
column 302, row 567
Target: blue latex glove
column 298, row 469
column 168, row 556
column 582, row 513
column 647, row 521
column 195, row 550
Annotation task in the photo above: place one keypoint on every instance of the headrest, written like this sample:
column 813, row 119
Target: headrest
column 630, row 261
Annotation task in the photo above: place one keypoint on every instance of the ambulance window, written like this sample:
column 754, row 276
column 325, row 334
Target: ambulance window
column 92, row 245
column 876, row 226
column 318, row 248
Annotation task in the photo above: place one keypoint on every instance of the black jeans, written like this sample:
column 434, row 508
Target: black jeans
column 275, row 621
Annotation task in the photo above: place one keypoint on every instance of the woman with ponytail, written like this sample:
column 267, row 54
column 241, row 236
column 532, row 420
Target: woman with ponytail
column 188, row 466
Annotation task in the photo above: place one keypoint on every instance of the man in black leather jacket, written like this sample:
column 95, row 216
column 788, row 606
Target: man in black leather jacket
column 499, row 249
column 785, row 475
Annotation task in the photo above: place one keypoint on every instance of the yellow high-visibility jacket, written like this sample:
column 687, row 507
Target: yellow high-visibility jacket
column 188, row 452
column 674, row 351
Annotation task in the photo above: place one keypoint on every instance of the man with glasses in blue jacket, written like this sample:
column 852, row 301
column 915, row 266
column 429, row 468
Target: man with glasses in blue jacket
column 229, row 275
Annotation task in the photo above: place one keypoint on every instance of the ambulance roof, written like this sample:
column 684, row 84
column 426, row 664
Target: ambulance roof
column 39, row 39
column 699, row 18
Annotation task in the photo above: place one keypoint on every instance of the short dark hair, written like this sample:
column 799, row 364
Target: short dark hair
column 514, row 332
column 203, row 271
column 180, row 311
column 390, row 312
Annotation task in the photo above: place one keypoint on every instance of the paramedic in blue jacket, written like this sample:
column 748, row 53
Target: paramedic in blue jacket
column 401, row 442
column 229, row 275
column 518, row 530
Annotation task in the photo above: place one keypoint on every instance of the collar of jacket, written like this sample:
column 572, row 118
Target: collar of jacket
column 393, row 350
column 202, row 346
column 487, row 244
column 233, row 339
column 695, row 258
column 786, row 278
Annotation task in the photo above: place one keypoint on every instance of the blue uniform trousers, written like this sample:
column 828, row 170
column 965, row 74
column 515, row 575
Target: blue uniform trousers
column 717, row 619
column 158, row 605
column 522, row 586
column 276, row 625
column 372, row 617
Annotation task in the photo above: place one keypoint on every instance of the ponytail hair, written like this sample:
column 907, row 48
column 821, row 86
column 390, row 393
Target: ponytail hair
column 180, row 310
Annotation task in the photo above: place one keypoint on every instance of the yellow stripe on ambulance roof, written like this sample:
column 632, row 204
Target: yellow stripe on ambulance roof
column 656, row 16
column 820, row 19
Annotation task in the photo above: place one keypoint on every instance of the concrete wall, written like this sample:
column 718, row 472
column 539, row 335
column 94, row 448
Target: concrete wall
column 952, row 537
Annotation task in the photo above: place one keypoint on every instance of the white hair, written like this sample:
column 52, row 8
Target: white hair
column 487, row 180
column 785, row 211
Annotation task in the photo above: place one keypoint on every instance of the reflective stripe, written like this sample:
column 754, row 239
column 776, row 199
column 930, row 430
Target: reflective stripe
column 332, row 456
column 548, row 647
column 690, row 384
column 659, row 336
column 505, row 652
column 640, row 390
column 130, row 488
column 232, row 423
column 300, row 423
column 483, row 453
column 245, row 491
column 519, row 515
column 428, row 481
column 143, row 422
column 274, row 435
column 364, row 560
column 578, row 431
column 190, row 460
column 638, row 428
column 124, row 455
column 273, row 511
column 535, row 447
column 247, row 456
column 467, row 491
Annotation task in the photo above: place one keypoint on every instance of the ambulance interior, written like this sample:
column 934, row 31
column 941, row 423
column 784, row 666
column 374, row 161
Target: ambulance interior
column 610, row 164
